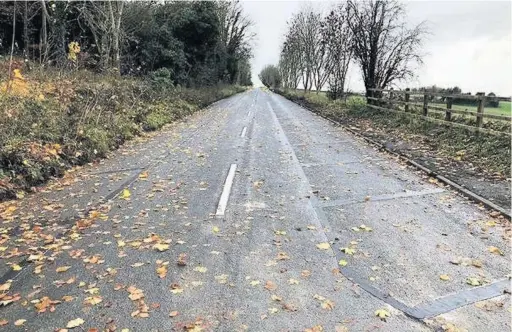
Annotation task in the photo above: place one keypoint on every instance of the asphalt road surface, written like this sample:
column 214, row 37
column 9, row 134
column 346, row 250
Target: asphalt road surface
column 252, row 215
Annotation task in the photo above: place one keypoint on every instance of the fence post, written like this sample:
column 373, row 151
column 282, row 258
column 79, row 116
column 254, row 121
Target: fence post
column 407, row 97
column 449, row 102
column 425, row 104
column 480, row 112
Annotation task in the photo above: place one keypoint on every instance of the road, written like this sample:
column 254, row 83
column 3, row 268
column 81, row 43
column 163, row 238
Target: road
column 237, row 219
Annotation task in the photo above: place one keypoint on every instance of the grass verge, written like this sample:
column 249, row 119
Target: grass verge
column 52, row 121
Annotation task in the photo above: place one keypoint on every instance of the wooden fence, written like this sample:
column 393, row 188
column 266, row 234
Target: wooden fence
column 403, row 101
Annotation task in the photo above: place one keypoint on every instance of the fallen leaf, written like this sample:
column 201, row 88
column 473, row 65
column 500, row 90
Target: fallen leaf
column 201, row 269
column 496, row 251
column 255, row 282
column 343, row 262
column 93, row 300
column 216, row 229
column 292, row 281
column 473, row 281
column 173, row 313
column 270, row 285
column 16, row 267
column 161, row 271
column 382, row 314
column 222, row 279
column 444, row 277
column 273, row 310
column 20, row 322
column 305, row 273
column 75, row 323
column 161, row 247
column 63, row 269
column 125, row 194
column 323, row 246
column 348, row 251
column 182, row 259
column 327, row 305
column 276, row 298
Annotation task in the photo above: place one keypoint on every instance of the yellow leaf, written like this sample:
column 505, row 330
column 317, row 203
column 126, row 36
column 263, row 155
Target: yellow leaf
column 16, row 267
column 93, row 300
column 255, row 282
column 473, row 281
column 161, row 271
column 201, row 269
column 343, row 262
column 348, row 251
column 143, row 175
column 137, row 265
column 125, row 194
column 323, row 246
column 75, row 323
column 216, row 229
column 177, row 290
column 293, row 281
column 490, row 223
column 20, row 322
column 161, row 247
column 276, row 298
column 365, row 228
column 280, row 232
column 121, row 243
column 273, row 310
column 382, row 314
column 63, row 269
column 444, row 277
column 327, row 304
column 496, row 251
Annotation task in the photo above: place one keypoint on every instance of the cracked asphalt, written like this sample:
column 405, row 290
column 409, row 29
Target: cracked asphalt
column 320, row 231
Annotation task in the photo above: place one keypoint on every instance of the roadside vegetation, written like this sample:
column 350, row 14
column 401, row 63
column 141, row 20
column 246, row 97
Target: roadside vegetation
column 77, row 79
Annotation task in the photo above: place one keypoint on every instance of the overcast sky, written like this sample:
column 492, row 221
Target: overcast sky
column 469, row 46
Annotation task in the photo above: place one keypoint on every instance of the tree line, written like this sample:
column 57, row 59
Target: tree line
column 318, row 49
column 192, row 43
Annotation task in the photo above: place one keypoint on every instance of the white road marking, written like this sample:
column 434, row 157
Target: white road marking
column 249, row 113
column 243, row 132
column 223, row 202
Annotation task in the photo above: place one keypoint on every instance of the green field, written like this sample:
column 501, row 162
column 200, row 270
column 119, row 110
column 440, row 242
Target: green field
column 504, row 108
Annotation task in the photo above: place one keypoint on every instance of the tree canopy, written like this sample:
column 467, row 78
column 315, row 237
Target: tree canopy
column 198, row 43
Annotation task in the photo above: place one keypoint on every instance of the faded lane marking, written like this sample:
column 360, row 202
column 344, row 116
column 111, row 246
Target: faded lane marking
column 243, row 132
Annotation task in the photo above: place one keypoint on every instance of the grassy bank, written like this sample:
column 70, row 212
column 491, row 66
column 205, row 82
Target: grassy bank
column 482, row 153
column 52, row 120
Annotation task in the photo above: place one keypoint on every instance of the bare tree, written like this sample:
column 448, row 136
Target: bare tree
column 290, row 62
column 337, row 37
column 383, row 45
column 235, row 34
column 104, row 20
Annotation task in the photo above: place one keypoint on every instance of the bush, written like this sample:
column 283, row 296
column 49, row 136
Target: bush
column 82, row 119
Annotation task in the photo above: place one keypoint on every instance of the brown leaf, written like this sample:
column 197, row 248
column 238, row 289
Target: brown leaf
column 182, row 259
column 270, row 285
